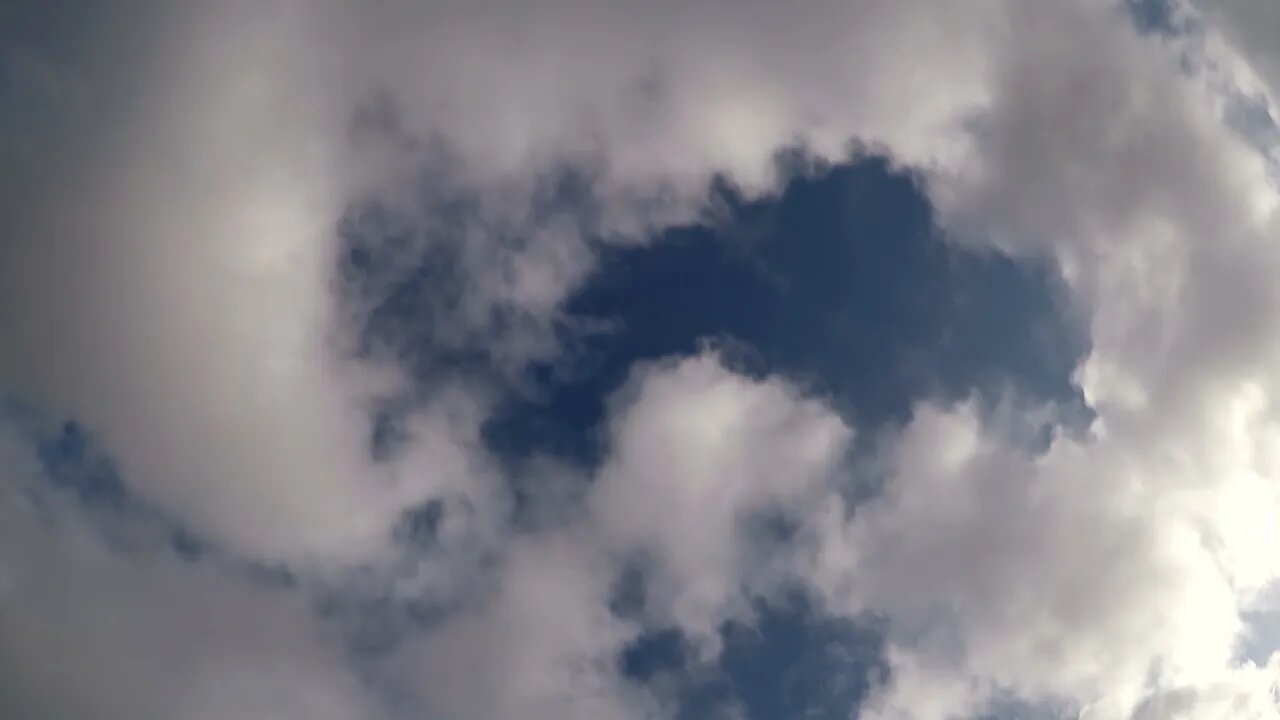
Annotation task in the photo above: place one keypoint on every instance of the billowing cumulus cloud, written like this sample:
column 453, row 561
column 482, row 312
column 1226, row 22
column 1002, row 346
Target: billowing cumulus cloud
column 663, row 493
column 277, row 266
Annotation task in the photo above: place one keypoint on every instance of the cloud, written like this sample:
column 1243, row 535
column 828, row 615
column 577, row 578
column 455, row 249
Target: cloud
column 697, row 456
column 170, row 287
column 1113, row 569
column 1248, row 694
column 1248, row 24
column 168, row 280
column 168, row 298
column 90, row 630
column 1068, row 575
column 542, row 644
column 172, row 277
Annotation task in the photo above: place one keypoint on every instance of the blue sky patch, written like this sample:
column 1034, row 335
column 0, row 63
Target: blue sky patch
column 840, row 281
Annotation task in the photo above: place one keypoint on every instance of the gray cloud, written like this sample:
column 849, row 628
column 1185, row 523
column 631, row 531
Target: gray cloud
column 91, row 631
column 167, row 279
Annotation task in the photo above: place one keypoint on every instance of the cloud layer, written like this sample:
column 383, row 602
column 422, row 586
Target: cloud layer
column 284, row 260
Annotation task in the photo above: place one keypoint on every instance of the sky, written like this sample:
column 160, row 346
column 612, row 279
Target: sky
column 606, row 360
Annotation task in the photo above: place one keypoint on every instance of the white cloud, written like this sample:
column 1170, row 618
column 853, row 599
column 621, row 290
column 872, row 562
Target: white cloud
column 1113, row 570
column 169, row 294
column 1251, row 27
column 168, row 283
column 696, row 450
column 1076, row 575
column 1248, row 694
column 171, row 288
column 543, row 644
column 697, row 453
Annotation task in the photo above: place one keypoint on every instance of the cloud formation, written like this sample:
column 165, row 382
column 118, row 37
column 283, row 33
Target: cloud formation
column 284, row 260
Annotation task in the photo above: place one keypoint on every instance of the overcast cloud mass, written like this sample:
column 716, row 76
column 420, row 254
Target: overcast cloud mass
column 559, row 360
